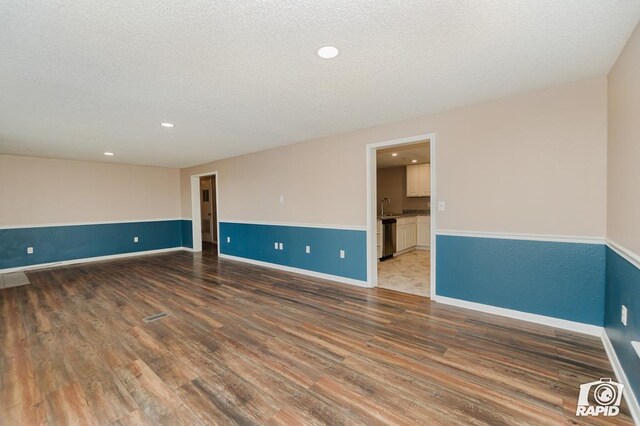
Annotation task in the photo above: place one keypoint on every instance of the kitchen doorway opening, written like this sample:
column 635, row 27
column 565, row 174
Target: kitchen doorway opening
column 400, row 220
column 208, row 212
column 204, row 207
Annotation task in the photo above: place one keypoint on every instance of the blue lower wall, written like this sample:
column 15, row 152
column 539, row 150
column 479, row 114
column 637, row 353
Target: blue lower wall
column 578, row 282
column 560, row 280
column 255, row 242
column 59, row 243
column 187, row 233
column 623, row 288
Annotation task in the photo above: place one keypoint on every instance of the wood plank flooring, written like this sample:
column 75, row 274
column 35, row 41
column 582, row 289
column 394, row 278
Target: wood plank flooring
column 249, row 345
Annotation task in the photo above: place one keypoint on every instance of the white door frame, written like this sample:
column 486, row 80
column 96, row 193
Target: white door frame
column 196, row 216
column 372, row 208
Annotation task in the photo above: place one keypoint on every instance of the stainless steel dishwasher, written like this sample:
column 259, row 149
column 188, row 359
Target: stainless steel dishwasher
column 389, row 238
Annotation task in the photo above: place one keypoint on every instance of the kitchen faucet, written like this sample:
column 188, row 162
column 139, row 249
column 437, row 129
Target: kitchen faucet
column 382, row 205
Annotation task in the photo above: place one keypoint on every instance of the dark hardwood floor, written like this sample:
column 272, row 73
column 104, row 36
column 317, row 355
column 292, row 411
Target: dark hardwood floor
column 212, row 247
column 248, row 345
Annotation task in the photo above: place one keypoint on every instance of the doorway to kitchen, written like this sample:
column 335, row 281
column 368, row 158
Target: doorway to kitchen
column 208, row 213
column 401, row 186
column 204, row 208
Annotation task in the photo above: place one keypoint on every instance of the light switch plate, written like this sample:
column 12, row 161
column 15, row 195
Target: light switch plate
column 275, row 246
column 342, row 254
column 307, row 249
column 228, row 239
column 623, row 315
column 136, row 239
column 441, row 206
column 280, row 246
column 29, row 250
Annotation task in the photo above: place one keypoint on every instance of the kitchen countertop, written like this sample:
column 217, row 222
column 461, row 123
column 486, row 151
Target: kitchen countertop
column 397, row 215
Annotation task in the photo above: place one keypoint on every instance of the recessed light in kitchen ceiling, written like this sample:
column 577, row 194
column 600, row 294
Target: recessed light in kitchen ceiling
column 328, row 52
column 166, row 124
column 109, row 154
column 395, row 154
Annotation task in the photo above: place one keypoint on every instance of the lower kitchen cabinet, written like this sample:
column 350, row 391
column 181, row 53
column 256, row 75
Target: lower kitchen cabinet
column 406, row 233
column 424, row 231
column 411, row 231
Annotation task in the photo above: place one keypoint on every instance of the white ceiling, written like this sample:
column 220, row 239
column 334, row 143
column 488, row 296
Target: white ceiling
column 80, row 78
column 405, row 155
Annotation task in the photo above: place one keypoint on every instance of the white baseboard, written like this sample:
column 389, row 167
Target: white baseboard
column 579, row 327
column 636, row 347
column 621, row 377
column 314, row 274
column 88, row 259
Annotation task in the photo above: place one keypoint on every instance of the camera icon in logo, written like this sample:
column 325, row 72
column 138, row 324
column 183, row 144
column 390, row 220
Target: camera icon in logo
column 600, row 398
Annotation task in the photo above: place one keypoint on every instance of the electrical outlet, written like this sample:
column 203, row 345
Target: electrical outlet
column 441, row 206
column 136, row 239
column 275, row 246
column 29, row 250
column 342, row 254
column 307, row 249
column 228, row 239
column 281, row 246
column 623, row 315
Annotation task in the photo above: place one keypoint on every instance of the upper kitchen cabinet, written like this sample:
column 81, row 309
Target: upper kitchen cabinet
column 419, row 180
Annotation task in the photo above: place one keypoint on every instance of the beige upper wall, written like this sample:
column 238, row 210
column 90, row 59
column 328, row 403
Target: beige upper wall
column 37, row 191
column 623, row 220
column 532, row 163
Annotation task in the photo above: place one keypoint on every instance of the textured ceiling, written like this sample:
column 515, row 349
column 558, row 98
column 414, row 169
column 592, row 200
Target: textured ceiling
column 80, row 78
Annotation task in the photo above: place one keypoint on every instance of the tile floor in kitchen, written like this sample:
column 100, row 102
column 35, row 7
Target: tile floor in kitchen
column 408, row 273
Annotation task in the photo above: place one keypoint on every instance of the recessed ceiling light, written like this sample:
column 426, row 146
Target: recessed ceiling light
column 328, row 52
column 414, row 161
column 395, row 154
column 166, row 124
column 109, row 154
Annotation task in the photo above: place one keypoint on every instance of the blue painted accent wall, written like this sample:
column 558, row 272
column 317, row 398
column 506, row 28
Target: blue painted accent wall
column 255, row 242
column 59, row 243
column 623, row 287
column 560, row 280
column 187, row 234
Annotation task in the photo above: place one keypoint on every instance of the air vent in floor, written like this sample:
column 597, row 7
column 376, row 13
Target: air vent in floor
column 155, row 317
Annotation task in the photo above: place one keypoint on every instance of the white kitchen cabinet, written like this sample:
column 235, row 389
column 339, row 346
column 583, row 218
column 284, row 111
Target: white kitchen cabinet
column 410, row 235
column 423, row 231
column 400, row 239
column 413, row 179
column 419, row 180
column 406, row 233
